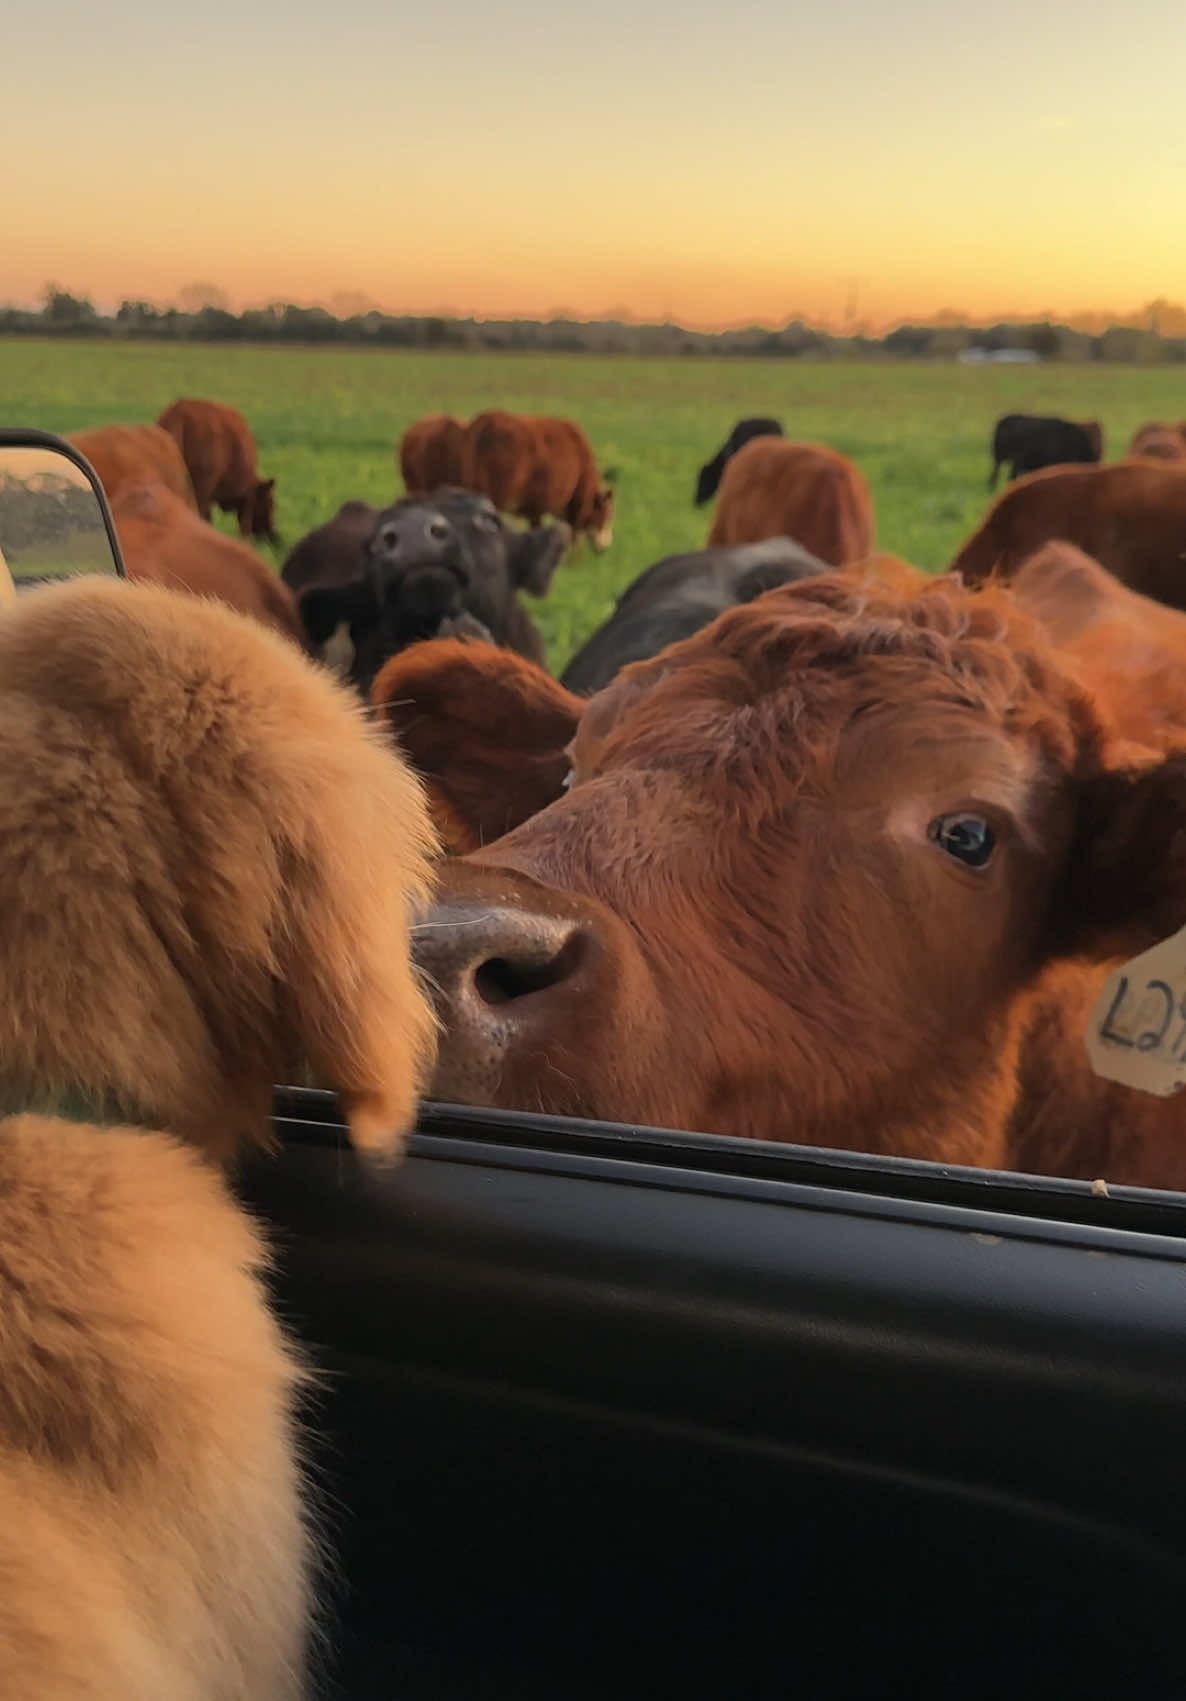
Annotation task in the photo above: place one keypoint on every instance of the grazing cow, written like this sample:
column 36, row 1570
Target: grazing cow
column 536, row 467
column 484, row 728
column 135, row 454
column 1160, row 443
column 211, row 867
column 808, row 873
column 220, row 453
column 164, row 543
column 430, row 454
column 679, row 595
column 1029, row 443
column 708, row 479
column 1129, row 516
column 772, row 488
column 433, row 566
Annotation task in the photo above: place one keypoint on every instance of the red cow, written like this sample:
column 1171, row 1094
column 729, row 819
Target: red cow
column 535, row 467
column 164, row 543
column 1129, row 516
column 1160, row 443
column 484, row 728
column 812, row 867
column 220, row 453
column 772, row 488
column 430, row 454
column 131, row 454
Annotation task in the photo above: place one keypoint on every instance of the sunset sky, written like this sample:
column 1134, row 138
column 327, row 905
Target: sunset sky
column 712, row 162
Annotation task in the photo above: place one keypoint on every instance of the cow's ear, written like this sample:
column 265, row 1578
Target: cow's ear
column 535, row 555
column 1125, row 884
column 323, row 608
column 486, row 730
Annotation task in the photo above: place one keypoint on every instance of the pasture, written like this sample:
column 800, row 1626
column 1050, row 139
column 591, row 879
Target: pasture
column 327, row 423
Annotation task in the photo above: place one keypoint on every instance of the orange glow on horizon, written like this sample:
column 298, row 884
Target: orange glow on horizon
column 840, row 164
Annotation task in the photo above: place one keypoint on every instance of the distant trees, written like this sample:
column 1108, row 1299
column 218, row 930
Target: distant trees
column 1157, row 334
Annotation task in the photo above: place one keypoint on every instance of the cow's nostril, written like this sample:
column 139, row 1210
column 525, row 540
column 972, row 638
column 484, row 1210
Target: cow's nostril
column 500, row 979
column 438, row 529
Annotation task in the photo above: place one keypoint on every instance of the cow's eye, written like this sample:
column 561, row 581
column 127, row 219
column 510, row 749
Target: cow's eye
column 968, row 838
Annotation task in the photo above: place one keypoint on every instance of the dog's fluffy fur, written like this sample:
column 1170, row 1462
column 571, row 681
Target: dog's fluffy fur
column 209, row 867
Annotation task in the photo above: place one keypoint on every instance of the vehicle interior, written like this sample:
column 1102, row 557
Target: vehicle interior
column 618, row 1411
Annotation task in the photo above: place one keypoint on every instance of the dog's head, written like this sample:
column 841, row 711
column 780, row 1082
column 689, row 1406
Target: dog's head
column 210, row 867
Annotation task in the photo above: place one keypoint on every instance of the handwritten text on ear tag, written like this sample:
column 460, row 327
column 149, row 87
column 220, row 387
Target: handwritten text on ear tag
column 1137, row 1031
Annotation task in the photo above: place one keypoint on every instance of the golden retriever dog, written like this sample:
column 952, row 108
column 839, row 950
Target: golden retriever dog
column 210, row 868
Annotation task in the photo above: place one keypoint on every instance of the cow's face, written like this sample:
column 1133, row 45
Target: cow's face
column 439, row 565
column 807, row 864
column 601, row 519
column 258, row 516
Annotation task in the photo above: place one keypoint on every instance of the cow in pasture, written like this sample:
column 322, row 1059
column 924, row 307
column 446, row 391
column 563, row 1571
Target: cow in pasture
column 212, row 867
column 805, row 491
column 810, row 870
column 430, row 454
column 434, row 566
column 220, row 453
column 135, row 454
column 679, row 595
column 708, row 479
column 1029, row 443
column 1129, row 516
column 536, row 466
column 484, row 728
column 163, row 542
column 1160, row 443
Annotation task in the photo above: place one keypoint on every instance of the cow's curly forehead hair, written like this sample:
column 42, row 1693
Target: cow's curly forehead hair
column 836, row 646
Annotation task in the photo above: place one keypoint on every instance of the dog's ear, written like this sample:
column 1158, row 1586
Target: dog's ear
column 357, row 849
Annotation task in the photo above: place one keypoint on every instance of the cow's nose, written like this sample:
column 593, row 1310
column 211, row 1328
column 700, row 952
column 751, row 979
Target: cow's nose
column 501, row 979
column 439, row 529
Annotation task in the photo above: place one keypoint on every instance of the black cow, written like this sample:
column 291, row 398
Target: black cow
column 430, row 567
column 679, row 595
column 1029, row 443
column 709, row 476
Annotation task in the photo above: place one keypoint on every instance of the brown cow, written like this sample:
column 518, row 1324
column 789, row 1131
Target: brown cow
column 811, row 867
column 220, row 453
column 772, row 488
column 1130, row 517
column 163, row 543
column 1126, row 648
column 430, row 454
column 537, row 466
column 211, row 868
column 1160, row 443
column 133, row 454
column 484, row 728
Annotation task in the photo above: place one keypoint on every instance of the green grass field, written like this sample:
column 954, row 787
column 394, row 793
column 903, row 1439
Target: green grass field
column 327, row 422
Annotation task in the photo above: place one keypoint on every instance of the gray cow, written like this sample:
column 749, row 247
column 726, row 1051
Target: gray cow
column 679, row 595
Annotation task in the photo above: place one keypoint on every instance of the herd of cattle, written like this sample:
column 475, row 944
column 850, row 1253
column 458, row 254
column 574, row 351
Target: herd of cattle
column 845, row 864
column 804, row 844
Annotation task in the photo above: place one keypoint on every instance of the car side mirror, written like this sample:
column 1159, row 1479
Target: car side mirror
column 54, row 518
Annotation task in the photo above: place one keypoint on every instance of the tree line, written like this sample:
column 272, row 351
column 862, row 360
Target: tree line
column 65, row 314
